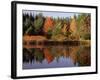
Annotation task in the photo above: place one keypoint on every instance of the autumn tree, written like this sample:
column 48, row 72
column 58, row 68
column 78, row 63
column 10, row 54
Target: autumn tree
column 48, row 24
column 84, row 25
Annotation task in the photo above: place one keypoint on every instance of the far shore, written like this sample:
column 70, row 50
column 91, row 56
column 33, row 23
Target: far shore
column 57, row 43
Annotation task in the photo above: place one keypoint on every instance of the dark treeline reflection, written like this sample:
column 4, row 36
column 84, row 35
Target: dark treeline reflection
column 53, row 55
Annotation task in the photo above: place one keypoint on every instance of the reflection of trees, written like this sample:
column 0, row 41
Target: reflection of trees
column 73, row 53
column 30, row 55
column 27, row 55
column 84, row 57
column 39, row 56
column 48, row 55
column 77, row 54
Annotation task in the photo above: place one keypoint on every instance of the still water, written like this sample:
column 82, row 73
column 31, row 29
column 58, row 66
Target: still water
column 56, row 56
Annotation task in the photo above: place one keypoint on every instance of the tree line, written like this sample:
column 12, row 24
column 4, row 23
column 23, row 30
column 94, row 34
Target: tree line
column 60, row 28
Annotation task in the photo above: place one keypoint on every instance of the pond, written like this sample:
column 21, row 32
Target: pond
column 56, row 56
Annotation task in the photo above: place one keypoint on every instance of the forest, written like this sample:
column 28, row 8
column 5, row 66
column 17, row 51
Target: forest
column 57, row 29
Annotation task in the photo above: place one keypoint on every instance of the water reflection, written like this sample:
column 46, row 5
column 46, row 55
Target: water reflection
column 56, row 56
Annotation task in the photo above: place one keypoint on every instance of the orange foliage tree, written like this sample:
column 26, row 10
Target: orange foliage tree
column 48, row 24
column 49, row 57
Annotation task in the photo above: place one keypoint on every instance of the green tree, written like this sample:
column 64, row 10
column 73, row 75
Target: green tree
column 38, row 23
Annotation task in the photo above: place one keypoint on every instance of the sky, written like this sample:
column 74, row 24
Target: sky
column 52, row 14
